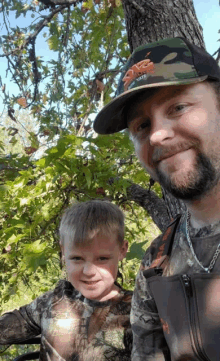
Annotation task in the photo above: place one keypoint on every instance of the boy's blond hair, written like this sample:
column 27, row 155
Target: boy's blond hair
column 81, row 220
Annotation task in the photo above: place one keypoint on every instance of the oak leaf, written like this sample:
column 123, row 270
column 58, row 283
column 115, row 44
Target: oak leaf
column 22, row 102
column 30, row 150
column 100, row 190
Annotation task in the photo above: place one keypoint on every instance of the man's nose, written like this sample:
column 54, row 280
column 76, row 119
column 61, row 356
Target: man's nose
column 89, row 268
column 161, row 131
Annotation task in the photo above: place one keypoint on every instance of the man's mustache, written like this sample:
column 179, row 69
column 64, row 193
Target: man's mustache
column 160, row 153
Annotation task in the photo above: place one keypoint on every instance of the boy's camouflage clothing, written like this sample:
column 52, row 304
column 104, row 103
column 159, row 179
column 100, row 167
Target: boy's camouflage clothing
column 72, row 327
column 177, row 316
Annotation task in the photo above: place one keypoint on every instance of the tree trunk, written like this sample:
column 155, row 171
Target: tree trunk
column 148, row 21
column 151, row 20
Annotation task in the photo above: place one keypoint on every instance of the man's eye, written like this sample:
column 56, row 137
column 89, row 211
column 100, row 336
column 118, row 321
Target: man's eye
column 180, row 107
column 143, row 125
column 177, row 108
column 103, row 258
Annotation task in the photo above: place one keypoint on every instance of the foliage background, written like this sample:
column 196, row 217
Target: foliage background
column 49, row 155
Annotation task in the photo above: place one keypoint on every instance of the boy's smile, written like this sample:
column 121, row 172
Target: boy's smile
column 92, row 268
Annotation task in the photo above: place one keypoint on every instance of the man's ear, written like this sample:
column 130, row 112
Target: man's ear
column 123, row 250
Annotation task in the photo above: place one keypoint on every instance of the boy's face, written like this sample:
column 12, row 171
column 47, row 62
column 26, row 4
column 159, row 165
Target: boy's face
column 92, row 269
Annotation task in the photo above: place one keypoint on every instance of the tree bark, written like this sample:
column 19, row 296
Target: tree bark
column 151, row 20
column 148, row 21
column 155, row 206
column 161, row 210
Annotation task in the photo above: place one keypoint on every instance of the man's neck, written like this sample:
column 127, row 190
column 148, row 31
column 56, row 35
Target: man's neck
column 205, row 211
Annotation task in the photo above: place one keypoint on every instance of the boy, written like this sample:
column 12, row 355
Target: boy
column 88, row 316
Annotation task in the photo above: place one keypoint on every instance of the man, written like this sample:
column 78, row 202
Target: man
column 168, row 98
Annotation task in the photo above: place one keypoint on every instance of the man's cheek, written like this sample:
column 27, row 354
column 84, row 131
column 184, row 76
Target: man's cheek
column 142, row 153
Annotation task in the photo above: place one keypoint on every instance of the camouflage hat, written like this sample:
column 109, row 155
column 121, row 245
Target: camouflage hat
column 166, row 62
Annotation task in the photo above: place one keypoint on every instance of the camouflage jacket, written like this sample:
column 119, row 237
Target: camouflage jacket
column 176, row 316
column 72, row 327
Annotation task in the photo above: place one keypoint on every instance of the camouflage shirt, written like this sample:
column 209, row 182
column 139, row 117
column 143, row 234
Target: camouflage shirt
column 148, row 331
column 72, row 327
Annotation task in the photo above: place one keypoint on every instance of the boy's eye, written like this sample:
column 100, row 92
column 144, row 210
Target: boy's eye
column 103, row 258
column 76, row 258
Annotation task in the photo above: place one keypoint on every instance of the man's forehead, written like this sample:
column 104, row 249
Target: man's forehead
column 164, row 93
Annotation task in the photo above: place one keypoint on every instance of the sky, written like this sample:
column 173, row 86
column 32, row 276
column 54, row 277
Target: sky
column 208, row 13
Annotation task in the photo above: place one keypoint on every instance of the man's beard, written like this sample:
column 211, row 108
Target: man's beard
column 198, row 182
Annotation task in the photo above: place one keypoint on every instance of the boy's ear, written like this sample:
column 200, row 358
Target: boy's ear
column 62, row 249
column 124, row 250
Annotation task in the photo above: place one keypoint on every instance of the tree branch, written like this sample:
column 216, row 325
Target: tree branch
column 32, row 36
column 59, row 2
column 35, row 70
column 155, row 206
column 137, row 7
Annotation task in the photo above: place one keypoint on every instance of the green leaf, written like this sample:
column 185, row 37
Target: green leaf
column 35, row 247
column 35, row 261
column 136, row 251
column 88, row 176
column 3, row 189
column 53, row 42
column 23, row 201
column 41, row 162
column 15, row 239
column 34, row 255
column 34, row 140
column 88, row 4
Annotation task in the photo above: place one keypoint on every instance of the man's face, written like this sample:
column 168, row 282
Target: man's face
column 176, row 133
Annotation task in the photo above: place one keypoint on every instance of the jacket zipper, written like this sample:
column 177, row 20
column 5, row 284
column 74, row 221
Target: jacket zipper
column 189, row 292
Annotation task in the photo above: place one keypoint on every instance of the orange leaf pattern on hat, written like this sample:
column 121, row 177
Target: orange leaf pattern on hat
column 143, row 67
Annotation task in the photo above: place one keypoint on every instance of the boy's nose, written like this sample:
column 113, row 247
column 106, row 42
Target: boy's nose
column 89, row 268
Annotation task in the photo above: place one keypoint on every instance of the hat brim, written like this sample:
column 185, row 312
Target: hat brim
column 111, row 119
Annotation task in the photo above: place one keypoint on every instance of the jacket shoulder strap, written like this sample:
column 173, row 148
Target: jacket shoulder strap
column 163, row 250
